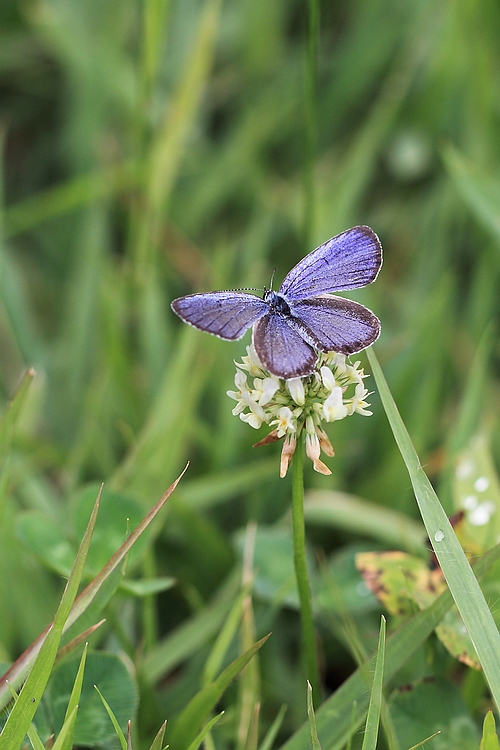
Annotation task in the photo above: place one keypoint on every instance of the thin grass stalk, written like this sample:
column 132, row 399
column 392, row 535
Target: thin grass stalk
column 300, row 562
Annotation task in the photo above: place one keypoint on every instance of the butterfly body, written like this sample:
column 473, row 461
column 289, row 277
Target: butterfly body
column 291, row 325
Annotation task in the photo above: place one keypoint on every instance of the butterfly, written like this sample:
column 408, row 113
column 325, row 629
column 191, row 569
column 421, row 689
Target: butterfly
column 291, row 325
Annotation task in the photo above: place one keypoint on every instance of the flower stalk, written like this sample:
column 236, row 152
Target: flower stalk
column 301, row 575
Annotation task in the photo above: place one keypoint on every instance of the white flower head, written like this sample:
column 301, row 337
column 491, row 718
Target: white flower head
column 334, row 390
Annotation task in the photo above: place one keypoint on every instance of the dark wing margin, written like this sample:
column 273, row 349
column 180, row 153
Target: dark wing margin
column 281, row 349
column 335, row 324
column 350, row 260
column 224, row 314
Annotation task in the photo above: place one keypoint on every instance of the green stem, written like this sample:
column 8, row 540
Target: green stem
column 299, row 558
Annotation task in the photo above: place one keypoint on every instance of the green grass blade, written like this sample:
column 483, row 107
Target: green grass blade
column 206, row 729
column 74, row 699
column 64, row 738
column 458, row 573
column 157, row 743
column 311, row 717
column 33, row 735
column 273, row 730
column 375, row 705
column 186, row 726
column 20, row 717
column 421, row 744
column 489, row 740
column 118, row 730
column 191, row 635
column 225, row 637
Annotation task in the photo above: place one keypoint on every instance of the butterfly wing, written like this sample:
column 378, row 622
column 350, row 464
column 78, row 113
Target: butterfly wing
column 281, row 349
column 348, row 261
column 224, row 314
column 335, row 324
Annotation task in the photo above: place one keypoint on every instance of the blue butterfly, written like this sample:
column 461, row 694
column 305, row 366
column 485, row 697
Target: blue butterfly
column 302, row 318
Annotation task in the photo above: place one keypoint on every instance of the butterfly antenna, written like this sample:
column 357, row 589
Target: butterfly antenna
column 246, row 289
column 272, row 278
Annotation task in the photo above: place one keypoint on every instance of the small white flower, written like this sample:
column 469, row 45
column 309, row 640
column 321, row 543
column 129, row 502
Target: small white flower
column 334, row 407
column 257, row 416
column 328, row 378
column 264, row 389
column 297, row 392
column 285, row 421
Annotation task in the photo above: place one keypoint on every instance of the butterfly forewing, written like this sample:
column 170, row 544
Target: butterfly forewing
column 281, row 349
column 348, row 261
column 335, row 324
column 224, row 314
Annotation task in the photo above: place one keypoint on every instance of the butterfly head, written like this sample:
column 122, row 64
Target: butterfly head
column 277, row 303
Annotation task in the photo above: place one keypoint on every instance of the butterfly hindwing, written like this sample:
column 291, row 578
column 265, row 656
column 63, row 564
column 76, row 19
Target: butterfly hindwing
column 281, row 349
column 224, row 314
column 350, row 260
column 335, row 324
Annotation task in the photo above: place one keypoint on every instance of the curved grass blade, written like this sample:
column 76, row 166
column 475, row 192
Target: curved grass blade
column 458, row 573
column 206, row 729
column 118, row 730
column 375, row 706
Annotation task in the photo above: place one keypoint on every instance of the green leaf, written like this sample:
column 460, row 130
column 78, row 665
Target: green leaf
column 430, row 706
column 188, row 723
column 374, row 708
column 461, row 580
column 119, row 512
column 489, row 740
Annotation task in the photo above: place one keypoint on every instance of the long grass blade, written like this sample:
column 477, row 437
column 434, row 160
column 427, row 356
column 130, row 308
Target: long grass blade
column 459, row 575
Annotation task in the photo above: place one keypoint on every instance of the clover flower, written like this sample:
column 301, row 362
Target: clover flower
column 333, row 391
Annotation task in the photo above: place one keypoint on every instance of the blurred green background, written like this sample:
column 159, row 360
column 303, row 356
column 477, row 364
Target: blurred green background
column 156, row 148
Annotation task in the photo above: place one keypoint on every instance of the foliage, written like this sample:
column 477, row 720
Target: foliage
column 155, row 148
